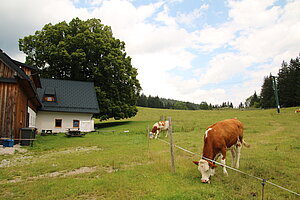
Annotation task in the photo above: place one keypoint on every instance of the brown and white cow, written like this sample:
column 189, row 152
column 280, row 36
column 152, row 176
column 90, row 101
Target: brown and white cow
column 158, row 127
column 219, row 138
column 297, row 111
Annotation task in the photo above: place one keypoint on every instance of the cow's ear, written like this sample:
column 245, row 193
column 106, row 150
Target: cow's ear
column 196, row 162
column 212, row 165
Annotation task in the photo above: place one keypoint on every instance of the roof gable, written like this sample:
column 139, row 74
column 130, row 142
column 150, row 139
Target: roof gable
column 11, row 64
column 70, row 96
column 20, row 77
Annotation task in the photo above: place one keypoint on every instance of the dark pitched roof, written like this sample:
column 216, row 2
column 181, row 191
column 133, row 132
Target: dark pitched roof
column 10, row 63
column 20, row 74
column 70, row 96
column 25, row 65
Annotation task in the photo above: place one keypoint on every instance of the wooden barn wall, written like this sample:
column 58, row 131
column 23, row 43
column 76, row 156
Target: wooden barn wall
column 5, row 72
column 12, row 105
column 8, row 109
column 27, row 71
column 21, row 111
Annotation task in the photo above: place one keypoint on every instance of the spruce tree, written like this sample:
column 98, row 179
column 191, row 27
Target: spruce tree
column 288, row 83
column 267, row 93
column 297, row 83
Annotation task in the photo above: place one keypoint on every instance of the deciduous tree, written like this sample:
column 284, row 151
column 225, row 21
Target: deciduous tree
column 87, row 51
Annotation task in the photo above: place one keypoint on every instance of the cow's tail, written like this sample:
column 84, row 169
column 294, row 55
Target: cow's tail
column 242, row 141
column 245, row 144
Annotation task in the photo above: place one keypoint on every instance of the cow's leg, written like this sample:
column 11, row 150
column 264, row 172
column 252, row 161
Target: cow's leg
column 238, row 155
column 216, row 158
column 233, row 153
column 167, row 132
column 223, row 161
column 157, row 133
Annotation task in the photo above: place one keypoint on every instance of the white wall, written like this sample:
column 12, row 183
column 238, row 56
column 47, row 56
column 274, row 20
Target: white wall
column 46, row 120
column 32, row 117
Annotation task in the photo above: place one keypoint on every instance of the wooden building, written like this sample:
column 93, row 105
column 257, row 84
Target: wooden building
column 19, row 101
column 45, row 104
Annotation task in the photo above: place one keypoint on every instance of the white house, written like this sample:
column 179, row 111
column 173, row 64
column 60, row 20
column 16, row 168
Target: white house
column 66, row 105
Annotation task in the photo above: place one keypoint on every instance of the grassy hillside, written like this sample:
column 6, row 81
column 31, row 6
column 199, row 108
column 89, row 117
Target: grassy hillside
column 124, row 164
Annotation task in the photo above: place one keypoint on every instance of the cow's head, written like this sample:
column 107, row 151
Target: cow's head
column 151, row 135
column 206, row 168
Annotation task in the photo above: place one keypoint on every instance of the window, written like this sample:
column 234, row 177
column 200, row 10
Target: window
column 49, row 94
column 75, row 123
column 58, row 123
column 49, row 98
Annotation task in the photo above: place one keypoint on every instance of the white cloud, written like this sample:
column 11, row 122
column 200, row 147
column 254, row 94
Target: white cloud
column 211, row 38
column 155, row 48
column 165, row 18
column 224, row 66
column 258, row 33
column 189, row 18
column 253, row 14
column 252, row 43
column 22, row 18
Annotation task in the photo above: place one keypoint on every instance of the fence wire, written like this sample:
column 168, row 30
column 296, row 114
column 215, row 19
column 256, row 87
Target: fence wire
column 234, row 169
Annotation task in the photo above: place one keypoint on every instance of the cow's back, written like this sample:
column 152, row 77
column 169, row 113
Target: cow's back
column 228, row 131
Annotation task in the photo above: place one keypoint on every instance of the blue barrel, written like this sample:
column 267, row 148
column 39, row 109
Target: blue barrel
column 8, row 143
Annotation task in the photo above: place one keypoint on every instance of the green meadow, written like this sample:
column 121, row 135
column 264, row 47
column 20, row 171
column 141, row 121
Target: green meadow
column 118, row 161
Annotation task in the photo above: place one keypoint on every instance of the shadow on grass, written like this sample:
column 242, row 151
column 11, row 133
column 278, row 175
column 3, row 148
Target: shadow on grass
column 110, row 124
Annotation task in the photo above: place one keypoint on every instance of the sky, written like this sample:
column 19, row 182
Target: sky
column 190, row 50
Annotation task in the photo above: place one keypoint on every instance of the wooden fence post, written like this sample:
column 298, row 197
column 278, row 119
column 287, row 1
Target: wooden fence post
column 171, row 145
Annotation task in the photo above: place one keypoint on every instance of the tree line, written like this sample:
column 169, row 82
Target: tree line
column 288, row 84
column 156, row 102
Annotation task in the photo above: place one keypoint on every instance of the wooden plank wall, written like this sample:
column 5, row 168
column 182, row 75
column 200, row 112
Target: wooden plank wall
column 5, row 72
column 12, row 108
column 27, row 71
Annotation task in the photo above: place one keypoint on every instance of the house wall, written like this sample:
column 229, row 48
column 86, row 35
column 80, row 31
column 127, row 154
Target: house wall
column 32, row 117
column 46, row 120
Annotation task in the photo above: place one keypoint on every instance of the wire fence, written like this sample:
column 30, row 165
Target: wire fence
column 264, row 181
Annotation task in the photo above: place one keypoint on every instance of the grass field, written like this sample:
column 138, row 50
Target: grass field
column 124, row 164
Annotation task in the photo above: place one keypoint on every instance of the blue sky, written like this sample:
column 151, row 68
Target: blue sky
column 190, row 50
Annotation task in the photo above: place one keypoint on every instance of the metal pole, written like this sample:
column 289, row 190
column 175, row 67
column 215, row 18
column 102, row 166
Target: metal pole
column 148, row 138
column 171, row 145
column 263, row 183
column 276, row 93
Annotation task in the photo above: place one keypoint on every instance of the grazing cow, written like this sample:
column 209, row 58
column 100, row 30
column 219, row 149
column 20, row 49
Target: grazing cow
column 158, row 127
column 219, row 138
column 297, row 111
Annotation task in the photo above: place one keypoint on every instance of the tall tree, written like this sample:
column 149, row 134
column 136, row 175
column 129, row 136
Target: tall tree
column 297, row 84
column 241, row 105
column 289, row 83
column 87, row 50
column 203, row 106
column 267, row 93
column 253, row 101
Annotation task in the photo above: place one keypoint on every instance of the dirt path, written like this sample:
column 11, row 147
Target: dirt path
column 25, row 158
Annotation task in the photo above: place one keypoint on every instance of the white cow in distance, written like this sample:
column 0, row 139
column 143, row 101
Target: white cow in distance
column 158, row 127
